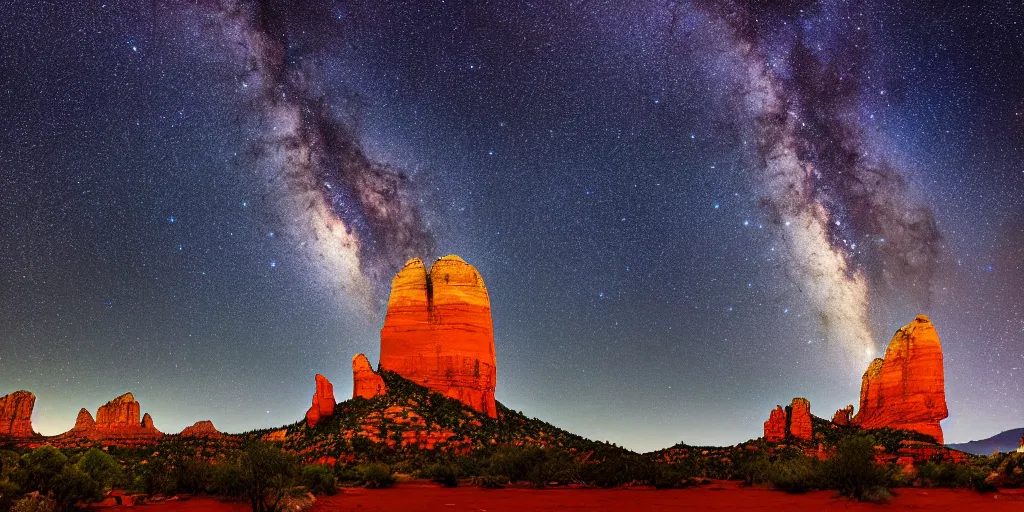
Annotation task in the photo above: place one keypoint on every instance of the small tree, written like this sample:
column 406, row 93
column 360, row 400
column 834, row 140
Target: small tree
column 853, row 471
column 266, row 472
column 72, row 486
column 39, row 468
column 101, row 467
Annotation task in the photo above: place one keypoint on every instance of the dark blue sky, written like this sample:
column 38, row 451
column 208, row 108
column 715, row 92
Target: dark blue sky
column 594, row 162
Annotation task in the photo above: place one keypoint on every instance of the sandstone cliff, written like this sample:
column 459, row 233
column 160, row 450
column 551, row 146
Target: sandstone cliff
column 775, row 427
column 906, row 388
column 16, row 414
column 800, row 419
column 202, row 429
column 365, row 382
column 438, row 331
column 323, row 401
column 843, row 416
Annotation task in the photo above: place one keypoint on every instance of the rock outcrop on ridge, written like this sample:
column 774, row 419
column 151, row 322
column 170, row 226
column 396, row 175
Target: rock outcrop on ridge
column 906, row 388
column 202, row 429
column 794, row 421
column 323, row 401
column 16, row 415
column 843, row 416
column 438, row 331
column 365, row 382
column 116, row 420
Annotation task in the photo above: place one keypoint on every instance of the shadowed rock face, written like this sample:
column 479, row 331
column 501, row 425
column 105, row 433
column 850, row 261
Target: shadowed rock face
column 775, row 427
column 16, row 414
column 202, row 429
column 365, row 382
column 323, row 401
column 438, row 331
column 906, row 388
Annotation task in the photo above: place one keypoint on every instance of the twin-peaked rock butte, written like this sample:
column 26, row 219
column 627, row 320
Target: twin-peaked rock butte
column 438, row 331
column 16, row 414
column 118, row 419
column 795, row 420
column 906, row 388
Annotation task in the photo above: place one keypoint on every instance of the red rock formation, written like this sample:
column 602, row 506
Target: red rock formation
column 775, row 427
column 202, row 429
column 1021, row 449
column 906, row 389
column 843, row 416
column 438, row 331
column 365, row 382
column 800, row 419
column 85, row 426
column 16, row 414
column 323, row 401
column 120, row 415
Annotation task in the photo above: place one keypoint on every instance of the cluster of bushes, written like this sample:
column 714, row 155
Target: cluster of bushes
column 62, row 482
column 853, row 472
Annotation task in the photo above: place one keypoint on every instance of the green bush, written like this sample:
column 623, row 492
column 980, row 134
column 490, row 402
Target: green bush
column 445, row 474
column 101, row 467
column 227, row 480
column 267, row 472
column 491, row 481
column 852, row 470
column 797, row 475
column 377, row 476
column 39, row 468
column 318, row 479
column 72, row 486
column 192, row 476
column 9, row 492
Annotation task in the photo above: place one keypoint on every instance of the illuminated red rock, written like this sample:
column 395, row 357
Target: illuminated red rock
column 906, row 388
column 119, row 418
column 202, row 429
column 438, row 331
column 1021, row 449
column 323, row 401
column 843, row 416
column 16, row 414
column 775, row 427
column 800, row 419
column 365, row 382
column 85, row 426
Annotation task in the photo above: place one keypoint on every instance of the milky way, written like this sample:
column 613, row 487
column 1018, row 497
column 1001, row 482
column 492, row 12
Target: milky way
column 844, row 217
column 354, row 214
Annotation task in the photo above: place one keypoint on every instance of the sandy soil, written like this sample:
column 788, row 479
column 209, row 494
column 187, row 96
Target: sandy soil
column 722, row 496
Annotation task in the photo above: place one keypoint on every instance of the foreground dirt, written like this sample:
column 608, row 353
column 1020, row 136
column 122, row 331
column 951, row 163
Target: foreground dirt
column 722, row 496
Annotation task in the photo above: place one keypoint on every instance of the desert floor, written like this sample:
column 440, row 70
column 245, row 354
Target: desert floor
column 716, row 496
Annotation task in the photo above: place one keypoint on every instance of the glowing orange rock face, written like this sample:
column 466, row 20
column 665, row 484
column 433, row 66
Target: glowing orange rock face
column 775, row 427
column 202, row 429
column 117, row 419
column 843, row 416
column 365, row 382
column 83, row 423
column 906, row 389
column 16, row 414
column 800, row 419
column 323, row 401
column 438, row 331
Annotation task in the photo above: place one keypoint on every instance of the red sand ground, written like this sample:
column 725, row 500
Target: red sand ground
column 722, row 496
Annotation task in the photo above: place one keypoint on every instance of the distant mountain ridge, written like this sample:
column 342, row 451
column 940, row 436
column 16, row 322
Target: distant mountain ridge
column 1007, row 441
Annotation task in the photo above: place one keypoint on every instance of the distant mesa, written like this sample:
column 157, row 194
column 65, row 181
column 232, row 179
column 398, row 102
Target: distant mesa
column 365, row 382
column 906, row 388
column 438, row 331
column 202, row 429
column 323, row 401
column 16, row 415
column 117, row 420
column 793, row 421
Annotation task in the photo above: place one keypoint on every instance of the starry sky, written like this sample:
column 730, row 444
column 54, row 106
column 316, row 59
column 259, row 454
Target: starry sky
column 686, row 212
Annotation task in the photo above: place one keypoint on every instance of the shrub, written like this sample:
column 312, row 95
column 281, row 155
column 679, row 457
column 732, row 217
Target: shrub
column 491, row 481
column 192, row 476
column 318, row 479
column 101, row 467
column 266, row 474
column 39, row 468
column 852, row 470
column 226, row 479
column 377, row 476
column 797, row 475
column 445, row 474
column 9, row 491
column 73, row 486
column 35, row 504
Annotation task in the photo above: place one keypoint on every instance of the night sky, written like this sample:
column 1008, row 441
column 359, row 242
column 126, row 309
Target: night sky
column 685, row 212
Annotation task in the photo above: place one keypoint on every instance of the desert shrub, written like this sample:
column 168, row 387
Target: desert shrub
column 101, row 467
column 9, row 492
column 796, row 475
column 192, row 476
column 39, row 468
column 35, row 504
column 267, row 472
column 73, row 486
column 318, row 479
column 1011, row 469
column 514, row 462
column 445, row 474
column 755, row 468
column 491, row 481
column 852, row 470
column 9, row 462
column 226, row 479
column 949, row 474
column 617, row 470
column 156, row 477
column 670, row 477
column 377, row 476
column 348, row 474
